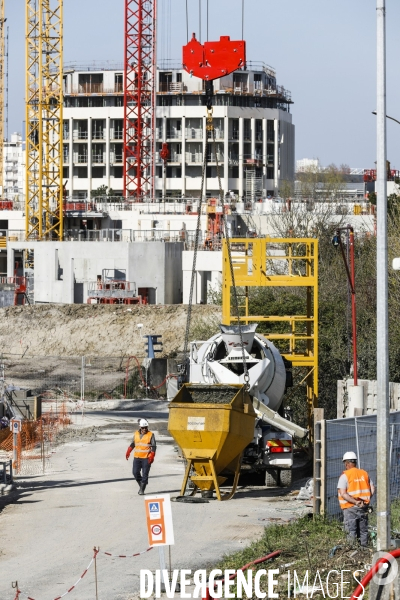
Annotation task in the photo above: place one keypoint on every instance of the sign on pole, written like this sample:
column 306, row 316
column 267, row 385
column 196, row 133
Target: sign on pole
column 15, row 425
column 159, row 520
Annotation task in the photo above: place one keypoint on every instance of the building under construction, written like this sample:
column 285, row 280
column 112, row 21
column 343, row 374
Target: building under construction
column 252, row 119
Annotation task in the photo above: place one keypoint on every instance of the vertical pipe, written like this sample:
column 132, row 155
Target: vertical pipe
column 357, row 443
column 382, row 350
column 353, row 306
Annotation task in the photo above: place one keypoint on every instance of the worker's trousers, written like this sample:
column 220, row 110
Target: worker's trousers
column 140, row 470
column 356, row 524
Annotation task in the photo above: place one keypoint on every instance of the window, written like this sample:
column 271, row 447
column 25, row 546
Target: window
column 65, row 172
column 90, row 83
column 82, row 172
column 118, row 82
column 118, row 172
column 179, row 78
column 97, row 172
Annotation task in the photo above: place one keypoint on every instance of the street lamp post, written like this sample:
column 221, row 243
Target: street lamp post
column 382, row 348
column 387, row 116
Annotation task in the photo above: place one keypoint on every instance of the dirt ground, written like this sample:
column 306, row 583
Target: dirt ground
column 78, row 330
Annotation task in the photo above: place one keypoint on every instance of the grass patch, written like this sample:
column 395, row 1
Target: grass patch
column 307, row 545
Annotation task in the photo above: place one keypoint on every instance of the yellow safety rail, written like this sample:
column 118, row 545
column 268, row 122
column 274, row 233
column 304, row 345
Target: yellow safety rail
column 278, row 262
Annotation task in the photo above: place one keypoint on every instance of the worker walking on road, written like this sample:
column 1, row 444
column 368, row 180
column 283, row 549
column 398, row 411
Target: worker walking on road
column 355, row 490
column 144, row 446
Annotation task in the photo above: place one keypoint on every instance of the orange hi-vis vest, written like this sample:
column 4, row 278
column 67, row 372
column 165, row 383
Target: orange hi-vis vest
column 142, row 445
column 358, row 487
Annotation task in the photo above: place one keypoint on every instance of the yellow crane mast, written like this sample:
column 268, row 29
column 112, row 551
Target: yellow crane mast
column 44, row 120
column 2, row 69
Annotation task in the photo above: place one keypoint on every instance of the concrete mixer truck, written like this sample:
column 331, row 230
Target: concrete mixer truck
column 220, row 360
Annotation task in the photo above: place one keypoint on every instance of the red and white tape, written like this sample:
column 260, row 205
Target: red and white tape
column 127, row 555
column 96, row 552
column 19, row 592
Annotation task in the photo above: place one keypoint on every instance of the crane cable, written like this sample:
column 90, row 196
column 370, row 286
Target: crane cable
column 210, row 132
column 246, row 375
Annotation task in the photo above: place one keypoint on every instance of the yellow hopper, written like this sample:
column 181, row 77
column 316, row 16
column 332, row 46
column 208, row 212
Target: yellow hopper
column 212, row 424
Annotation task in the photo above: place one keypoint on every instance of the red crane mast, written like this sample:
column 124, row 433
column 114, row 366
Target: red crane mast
column 139, row 99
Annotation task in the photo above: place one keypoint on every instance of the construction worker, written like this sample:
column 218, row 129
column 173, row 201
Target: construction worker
column 355, row 490
column 144, row 446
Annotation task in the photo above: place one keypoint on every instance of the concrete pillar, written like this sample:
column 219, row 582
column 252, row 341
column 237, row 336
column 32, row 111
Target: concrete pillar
column 241, row 153
column 10, row 262
column 205, row 132
column 276, row 156
column 253, row 137
column 89, row 159
column 108, row 135
column 356, row 400
column 265, row 152
column 71, row 156
column 183, row 164
column 226, row 154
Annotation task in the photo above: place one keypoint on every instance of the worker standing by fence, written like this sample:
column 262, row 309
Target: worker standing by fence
column 355, row 491
column 144, row 447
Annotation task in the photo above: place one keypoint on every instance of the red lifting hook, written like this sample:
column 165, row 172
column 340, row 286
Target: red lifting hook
column 213, row 59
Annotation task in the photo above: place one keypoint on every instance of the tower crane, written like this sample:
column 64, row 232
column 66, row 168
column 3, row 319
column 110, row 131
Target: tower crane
column 44, row 120
column 139, row 98
column 2, row 69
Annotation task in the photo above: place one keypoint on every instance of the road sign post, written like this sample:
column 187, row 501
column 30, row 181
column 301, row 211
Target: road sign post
column 15, row 426
column 159, row 526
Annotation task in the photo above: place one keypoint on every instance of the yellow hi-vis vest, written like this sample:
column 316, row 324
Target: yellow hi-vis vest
column 358, row 487
column 142, row 445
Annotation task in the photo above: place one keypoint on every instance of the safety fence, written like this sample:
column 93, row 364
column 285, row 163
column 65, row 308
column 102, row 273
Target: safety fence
column 49, row 393
column 19, row 593
column 357, row 434
column 35, row 443
column 77, row 378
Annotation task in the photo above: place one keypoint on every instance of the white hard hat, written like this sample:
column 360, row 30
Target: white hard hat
column 349, row 456
column 143, row 423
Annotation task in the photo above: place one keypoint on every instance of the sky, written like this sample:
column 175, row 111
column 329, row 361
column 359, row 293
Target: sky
column 324, row 52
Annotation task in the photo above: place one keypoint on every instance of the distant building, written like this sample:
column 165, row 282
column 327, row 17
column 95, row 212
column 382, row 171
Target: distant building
column 14, row 168
column 307, row 163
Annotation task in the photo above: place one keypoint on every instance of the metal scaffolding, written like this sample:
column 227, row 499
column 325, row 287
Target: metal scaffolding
column 44, row 119
column 285, row 263
column 139, row 98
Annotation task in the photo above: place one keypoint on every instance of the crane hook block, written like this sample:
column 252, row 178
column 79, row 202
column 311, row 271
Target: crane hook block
column 165, row 154
column 213, row 59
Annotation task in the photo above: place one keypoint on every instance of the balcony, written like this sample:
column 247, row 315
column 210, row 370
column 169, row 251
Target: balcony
column 212, row 158
column 116, row 134
column 174, row 134
column 194, row 157
column 194, row 134
column 98, row 135
column 234, row 135
column 81, row 159
column 172, row 88
column 80, row 135
column 116, row 158
column 98, row 159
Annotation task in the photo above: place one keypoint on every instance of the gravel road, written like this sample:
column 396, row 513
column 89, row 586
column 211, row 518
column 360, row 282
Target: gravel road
column 89, row 499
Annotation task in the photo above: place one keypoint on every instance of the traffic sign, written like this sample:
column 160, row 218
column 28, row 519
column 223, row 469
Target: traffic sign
column 159, row 520
column 15, row 425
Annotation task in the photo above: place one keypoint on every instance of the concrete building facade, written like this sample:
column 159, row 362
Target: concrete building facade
column 14, row 168
column 253, row 126
column 67, row 272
